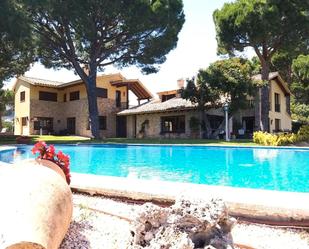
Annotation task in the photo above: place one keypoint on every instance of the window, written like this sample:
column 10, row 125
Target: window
column 102, row 122
column 24, row 121
column 277, row 125
column 47, row 96
column 118, row 99
column 167, row 97
column 44, row 123
column 74, row 95
column 101, row 92
column 173, row 124
column 277, row 102
column 65, row 97
column 22, row 96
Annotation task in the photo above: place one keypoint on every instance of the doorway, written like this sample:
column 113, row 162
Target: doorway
column 71, row 126
column 248, row 124
column 121, row 126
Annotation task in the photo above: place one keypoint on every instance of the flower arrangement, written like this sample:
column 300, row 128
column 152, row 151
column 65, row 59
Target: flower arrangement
column 49, row 153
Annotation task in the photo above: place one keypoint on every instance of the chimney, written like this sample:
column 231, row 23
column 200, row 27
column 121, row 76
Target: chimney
column 181, row 83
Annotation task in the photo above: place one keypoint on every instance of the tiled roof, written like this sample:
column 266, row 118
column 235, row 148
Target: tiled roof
column 41, row 82
column 272, row 75
column 158, row 106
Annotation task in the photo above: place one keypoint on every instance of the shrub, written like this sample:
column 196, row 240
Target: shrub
column 265, row 138
column 303, row 133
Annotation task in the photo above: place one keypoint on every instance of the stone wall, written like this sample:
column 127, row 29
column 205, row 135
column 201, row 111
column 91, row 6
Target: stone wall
column 78, row 109
column 153, row 129
column 47, row 109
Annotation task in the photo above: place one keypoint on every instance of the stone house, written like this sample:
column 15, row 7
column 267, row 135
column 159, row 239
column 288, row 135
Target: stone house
column 171, row 116
column 51, row 107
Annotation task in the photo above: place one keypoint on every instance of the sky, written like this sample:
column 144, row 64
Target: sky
column 196, row 49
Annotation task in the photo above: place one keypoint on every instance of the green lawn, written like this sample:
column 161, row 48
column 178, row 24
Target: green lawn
column 78, row 139
column 179, row 141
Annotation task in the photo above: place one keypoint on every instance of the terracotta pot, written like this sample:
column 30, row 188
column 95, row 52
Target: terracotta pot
column 51, row 165
column 36, row 206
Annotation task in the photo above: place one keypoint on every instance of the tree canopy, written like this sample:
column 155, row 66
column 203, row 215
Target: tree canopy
column 231, row 78
column 16, row 41
column 226, row 80
column 266, row 26
column 300, row 85
column 74, row 33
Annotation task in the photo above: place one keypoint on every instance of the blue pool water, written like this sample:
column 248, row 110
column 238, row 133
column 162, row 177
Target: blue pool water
column 262, row 168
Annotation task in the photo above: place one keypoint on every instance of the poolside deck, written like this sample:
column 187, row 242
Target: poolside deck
column 269, row 207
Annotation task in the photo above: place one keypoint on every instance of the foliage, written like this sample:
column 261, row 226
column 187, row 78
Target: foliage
column 201, row 93
column 300, row 112
column 266, row 26
column 48, row 153
column 224, row 80
column 6, row 99
column 74, row 33
column 9, row 126
column 256, row 65
column 16, row 40
column 265, row 138
column 194, row 124
column 231, row 78
column 300, row 85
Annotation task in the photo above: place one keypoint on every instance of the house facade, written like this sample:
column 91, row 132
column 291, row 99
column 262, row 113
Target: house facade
column 51, row 107
column 172, row 116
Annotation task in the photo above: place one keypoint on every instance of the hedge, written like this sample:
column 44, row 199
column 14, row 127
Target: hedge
column 265, row 138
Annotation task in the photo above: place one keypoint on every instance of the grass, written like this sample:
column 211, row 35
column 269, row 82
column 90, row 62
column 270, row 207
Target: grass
column 179, row 141
column 78, row 139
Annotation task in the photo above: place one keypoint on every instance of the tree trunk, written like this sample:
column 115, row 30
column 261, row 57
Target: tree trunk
column 201, row 123
column 204, row 122
column 0, row 122
column 257, row 110
column 92, row 103
column 265, row 97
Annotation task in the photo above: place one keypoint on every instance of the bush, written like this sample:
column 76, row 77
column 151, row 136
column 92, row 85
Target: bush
column 8, row 125
column 303, row 133
column 265, row 138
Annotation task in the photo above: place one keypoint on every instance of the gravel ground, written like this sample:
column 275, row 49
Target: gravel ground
column 100, row 222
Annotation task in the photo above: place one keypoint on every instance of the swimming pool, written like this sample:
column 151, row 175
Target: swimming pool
column 283, row 169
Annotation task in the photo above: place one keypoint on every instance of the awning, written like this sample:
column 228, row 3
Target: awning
column 135, row 86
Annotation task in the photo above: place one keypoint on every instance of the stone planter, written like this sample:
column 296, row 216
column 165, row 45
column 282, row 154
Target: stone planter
column 36, row 205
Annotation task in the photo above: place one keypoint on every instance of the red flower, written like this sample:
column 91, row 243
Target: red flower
column 48, row 153
column 64, row 161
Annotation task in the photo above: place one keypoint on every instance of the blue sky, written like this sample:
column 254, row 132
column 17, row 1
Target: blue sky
column 196, row 48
